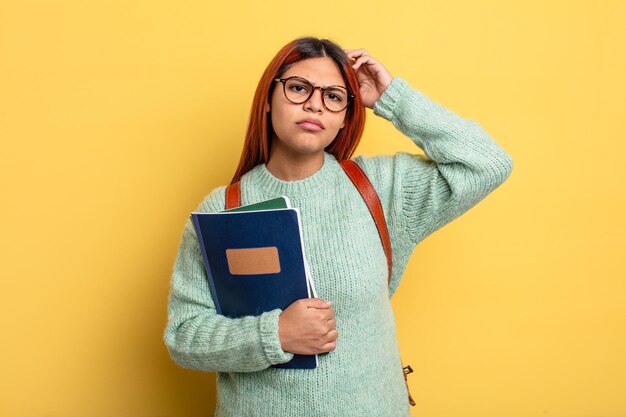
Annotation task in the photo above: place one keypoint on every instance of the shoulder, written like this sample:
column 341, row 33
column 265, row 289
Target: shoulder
column 213, row 201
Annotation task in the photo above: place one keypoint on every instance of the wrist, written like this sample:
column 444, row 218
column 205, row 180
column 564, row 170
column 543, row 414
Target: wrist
column 269, row 329
column 384, row 84
column 282, row 333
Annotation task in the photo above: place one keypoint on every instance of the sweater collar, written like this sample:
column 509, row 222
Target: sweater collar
column 264, row 180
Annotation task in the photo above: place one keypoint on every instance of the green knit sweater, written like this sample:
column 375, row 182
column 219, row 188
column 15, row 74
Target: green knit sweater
column 363, row 375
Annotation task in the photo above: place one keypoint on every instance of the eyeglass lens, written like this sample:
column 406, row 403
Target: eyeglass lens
column 298, row 90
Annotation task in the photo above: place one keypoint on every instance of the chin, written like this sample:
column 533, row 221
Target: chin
column 310, row 148
column 307, row 151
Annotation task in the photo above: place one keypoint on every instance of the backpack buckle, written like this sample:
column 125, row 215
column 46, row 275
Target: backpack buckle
column 407, row 370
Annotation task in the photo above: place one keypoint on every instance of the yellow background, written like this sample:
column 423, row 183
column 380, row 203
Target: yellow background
column 117, row 117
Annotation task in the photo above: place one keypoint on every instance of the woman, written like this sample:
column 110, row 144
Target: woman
column 308, row 114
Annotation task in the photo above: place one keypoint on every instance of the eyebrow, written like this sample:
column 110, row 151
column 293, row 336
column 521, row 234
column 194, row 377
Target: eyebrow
column 325, row 86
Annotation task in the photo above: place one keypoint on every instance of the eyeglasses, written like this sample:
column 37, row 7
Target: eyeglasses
column 298, row 90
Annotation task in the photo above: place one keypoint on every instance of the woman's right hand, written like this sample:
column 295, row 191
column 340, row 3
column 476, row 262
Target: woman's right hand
column 308, row 327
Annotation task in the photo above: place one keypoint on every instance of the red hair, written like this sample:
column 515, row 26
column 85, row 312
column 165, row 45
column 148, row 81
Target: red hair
column 256, row 147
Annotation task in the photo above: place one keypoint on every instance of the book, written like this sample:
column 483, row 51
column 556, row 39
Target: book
column 255, row 262
column 276, row 203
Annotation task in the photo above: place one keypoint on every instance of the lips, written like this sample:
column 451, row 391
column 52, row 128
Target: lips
column 311, row 124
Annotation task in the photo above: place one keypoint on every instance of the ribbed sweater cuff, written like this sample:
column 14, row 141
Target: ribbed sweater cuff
column 269, row 338
column 387, row 102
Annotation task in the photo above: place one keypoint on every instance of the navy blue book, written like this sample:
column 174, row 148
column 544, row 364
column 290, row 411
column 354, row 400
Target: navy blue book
column 255, row 263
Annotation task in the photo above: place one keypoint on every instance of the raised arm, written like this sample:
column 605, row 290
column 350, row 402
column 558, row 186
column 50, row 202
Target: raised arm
column 462, row 165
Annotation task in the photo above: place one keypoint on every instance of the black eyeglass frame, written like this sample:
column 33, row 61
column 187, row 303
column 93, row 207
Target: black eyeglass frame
column 313, row 88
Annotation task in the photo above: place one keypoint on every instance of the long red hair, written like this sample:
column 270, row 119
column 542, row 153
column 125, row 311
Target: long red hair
column 256, row 147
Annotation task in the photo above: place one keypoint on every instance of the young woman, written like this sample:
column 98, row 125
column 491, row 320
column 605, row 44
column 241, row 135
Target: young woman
column 308, row 114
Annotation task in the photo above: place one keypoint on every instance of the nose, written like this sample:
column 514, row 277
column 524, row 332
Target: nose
column 314, row 102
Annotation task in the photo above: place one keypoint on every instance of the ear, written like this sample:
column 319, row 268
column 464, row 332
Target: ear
column 267, row 107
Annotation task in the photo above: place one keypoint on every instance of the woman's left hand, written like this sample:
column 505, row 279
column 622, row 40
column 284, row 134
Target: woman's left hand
column 372, row 75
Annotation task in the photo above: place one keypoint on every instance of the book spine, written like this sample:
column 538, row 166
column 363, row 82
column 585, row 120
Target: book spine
column 207, row 267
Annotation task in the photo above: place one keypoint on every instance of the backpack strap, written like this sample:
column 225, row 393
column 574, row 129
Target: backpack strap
column 367, row 191
column 233, row 196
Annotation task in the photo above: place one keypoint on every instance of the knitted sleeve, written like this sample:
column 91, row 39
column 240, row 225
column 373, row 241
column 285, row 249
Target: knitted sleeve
column 420, row 194
column 199, row 338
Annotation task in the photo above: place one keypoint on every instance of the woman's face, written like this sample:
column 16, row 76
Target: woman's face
column 292, row 134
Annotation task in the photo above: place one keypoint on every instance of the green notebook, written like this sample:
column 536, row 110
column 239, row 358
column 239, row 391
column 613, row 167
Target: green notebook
column 275, row 203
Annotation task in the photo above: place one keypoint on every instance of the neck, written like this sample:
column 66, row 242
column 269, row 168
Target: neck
column 294, row 167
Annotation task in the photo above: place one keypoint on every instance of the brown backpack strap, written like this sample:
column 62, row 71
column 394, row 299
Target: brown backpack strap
column 233, row 196
column 367, row 191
